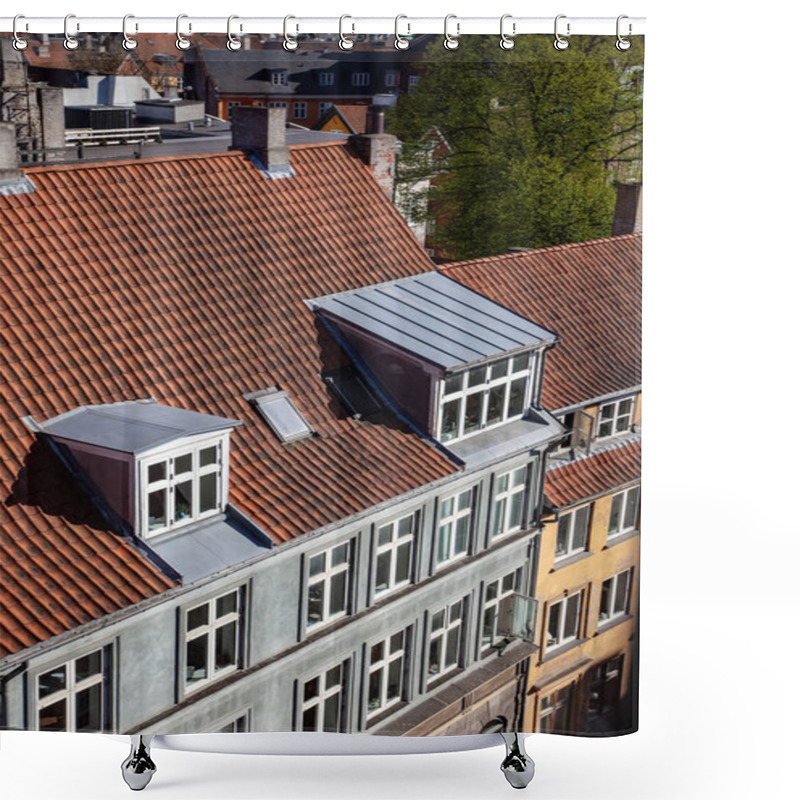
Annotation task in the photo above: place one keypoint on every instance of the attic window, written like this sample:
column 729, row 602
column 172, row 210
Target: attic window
column 281, row 414
column 279, row 77
column 353, row 392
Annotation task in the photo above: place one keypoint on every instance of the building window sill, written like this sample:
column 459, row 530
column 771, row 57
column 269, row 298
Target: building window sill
column 608, row 624
column 621, row 537
column 567, row 561
column 560, row 650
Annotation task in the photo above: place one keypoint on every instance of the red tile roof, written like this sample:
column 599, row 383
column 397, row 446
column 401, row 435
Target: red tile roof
column 594, row 475
column 184, row 279
column 589, row 293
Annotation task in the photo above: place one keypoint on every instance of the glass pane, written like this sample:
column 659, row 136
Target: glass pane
column 496, row 406
column 382, row 567
column 156, row 509
column 465, row 500
column 487, row 635
column 607, row 412
column 623, row 424
column 454, row 383
column 333, row 677
column 339, row 554
column 316, row 565
column 572, row 616
column 229, row 728
column 332, row 709
column 520, row 363
column 396, row 642
column 621, row 596
column 228, row 604
column 385, row 535
column 491, row 590
column 453, row 641
column 631, row 508
column 580, row 532
column 338, row 601
column 437, row 620
column 605, row 429
column 89, row 709
column 516, row 397
column 462, row 535
column 311, row 689
column 624, row 407
column 443, row 542
column 435, row 656
column 508, row 582
column 315, row 602
column 447, row 508
column 53, row 681
column 474, row 412
column 455, row 611
column 476, row 376
column 402, row 571
column 208, row 455
column 157, row 472
column 375, row 680
column 53, row 717
column 515, row 511
column 310, row 719
column 197, row 617
column 451, row 413
column 183, row 464
column 518, row 477
column 499, row 522
column 183, row 501
column 395, row 678
column 376, row 653
column 208, row 492
column 405, row 526
column 616, row 512
column 89, row 665
column 196, row 660
column 562, row 539
column 225, row 652
column 553, row 623
column 605, row 600
column 499, row 369
column 502, row 483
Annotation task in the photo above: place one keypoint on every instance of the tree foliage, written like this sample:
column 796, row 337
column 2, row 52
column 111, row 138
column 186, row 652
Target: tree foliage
column 536, row 136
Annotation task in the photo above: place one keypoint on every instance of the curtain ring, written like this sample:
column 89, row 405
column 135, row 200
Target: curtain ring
column 233, row 43
column 128, row 42
column 622, row 42
column 344, row 42
column 451, row 41
column 399, row 42
column 289, row 42
column 181, row 42
column 70, row 42
column 17, row 42
column 506, row 40
column 560, row 42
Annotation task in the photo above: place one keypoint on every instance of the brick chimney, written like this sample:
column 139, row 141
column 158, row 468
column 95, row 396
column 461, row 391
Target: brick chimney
column 263, row 132
column 51, row 111
column 628, row 211
column 12, row 179
column 377, row 150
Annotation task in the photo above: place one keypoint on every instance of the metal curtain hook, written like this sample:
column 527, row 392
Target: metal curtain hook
column 506, row 40
column 233, row 43
column 344, row 42
column 181, row 42
column 399, row 42
column 128, row 42
column 17, row 42
column 70, row 42
column 289, row 42
column 450, row 40
column 622, row 42
column 560, row 42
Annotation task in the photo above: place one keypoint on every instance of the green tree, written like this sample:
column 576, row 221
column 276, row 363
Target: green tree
column 536, row 136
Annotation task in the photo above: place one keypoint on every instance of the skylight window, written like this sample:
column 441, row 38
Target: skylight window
column 281, row 414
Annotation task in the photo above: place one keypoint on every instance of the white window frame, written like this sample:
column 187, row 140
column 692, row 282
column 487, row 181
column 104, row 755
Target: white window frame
column 460, row 394
column 209, row 630
column 392, row 78
column 507, row 585
column 391, row 547
column 560, row 703
column 609, row 596
column 615, row 418
column 451, row 626
column 171, row 480
column 360, row 79
column 571, row 517
column 326, row 78
column 324, row 694
column 451, row 521
column 72, row 688
column 564, row 637
column 502, row 502
column 278, row 77
column 300, row 109
column 326, row 578
column 383, row 665
column 625, row 502
column 277, row 104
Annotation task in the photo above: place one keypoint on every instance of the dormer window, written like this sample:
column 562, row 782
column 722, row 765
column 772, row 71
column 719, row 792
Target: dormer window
column 279, row 77
column 482, row 397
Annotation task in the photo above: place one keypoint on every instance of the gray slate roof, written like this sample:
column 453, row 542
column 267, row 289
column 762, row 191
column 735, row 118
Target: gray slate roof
column 133, row 427
column 436, row 319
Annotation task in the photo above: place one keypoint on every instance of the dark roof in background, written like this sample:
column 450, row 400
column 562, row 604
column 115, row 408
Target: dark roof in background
column 589, row 293
column 595, row 474
column 184, row 279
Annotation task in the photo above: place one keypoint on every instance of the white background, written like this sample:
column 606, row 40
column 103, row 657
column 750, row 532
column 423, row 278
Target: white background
column 719, row 607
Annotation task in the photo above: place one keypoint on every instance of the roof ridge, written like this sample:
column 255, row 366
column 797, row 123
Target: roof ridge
column 536, row 250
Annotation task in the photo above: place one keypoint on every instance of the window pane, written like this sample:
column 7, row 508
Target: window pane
column 89, row 709
column 382, row 567
column 310, row 719
column 396, row 642
column 491, row 590
column 227, row 604
column 453, row 641
column 607, row 412
column 315, row 602
column 53, row 717
column 499, row 523
column 508, row 583
column 496, row 407
column 156, row 509
column 553, row 622
column 208, row 455
column 225, row 652
column 499, row 369
column 515, row 512
column 196, row 660
column 443, row 543
column 338, row 599
column 520, row 362
column 631, row 508
column 605, row 429
column 339, row 554
column 462, row 535
column 487, row 636
column 572, row 616
column 579, row 534
column 332, row 708
column 311, row 689
column 605, row 600
column 183, row 464
column 476, row 376
column 375, row 680
column 333, row 677
column 502, row 483
column 394, row 680
column 465, row 500
column 402, row 570
column 454, row 383
column 435, row 656
column 455, row 611
column 616, row 511
column 447, row 508
column 474, row 412
column 516, row 397
column 437, row 620
column 208, row 492
column 376, row 653
column 157, row 472
column 53, row 681
column 451, row 412
column 183, row 500
column 384, row 535
column 518, row 477
column 622, row 593
column 316, row 565
column 625, row 407
column 405, row 526
column 88, row 665
column 197, row 617
column 623, row 423
column 562, row 539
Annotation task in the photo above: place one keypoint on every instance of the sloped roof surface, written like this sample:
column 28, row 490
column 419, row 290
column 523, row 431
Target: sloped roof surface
column 589, row 293
column 594, row 474
column 184, row 280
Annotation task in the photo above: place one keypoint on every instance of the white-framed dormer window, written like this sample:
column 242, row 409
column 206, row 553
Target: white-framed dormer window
column 392, row 78
column 360, row 79
column 211, row 639
column 483, row 397
column 329, row 584
column 326, row 79
column 493, row 595
column 454, row 526
column 624, row 516
column 279, row 77
column 394, row 553
column 386, row 673
column 573, row 531
column 614, row 418
column 72, row 696
column 182, row 485
column 508, row 503
column 615, row 596
column 563, row 620
column 445, row 639
column 322, row 701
